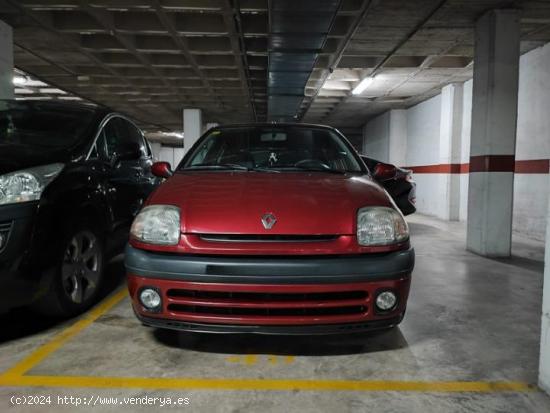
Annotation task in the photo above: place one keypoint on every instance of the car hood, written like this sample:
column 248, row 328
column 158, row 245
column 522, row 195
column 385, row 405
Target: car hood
column 16, row 157
column 303, row 203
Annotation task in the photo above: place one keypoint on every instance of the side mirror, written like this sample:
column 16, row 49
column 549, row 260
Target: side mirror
column 384, row 172
column 127, row 152
column 162, row 169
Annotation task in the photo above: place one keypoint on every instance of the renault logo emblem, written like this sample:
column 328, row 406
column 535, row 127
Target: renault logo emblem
column 268, row 220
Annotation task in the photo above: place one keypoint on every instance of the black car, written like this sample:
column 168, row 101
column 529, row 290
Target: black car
column 72, row 178
column 397, row 181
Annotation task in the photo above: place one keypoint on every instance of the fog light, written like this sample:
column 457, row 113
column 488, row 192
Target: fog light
column 2, row 240
column 386, row 301
column 150, row 299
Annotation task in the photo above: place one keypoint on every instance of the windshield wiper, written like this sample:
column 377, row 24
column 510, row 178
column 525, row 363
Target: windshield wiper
column 265, row 169
column 233, row 166
column 321, row 169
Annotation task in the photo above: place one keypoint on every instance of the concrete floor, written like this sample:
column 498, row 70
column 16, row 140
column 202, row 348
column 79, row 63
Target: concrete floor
column 470, row 321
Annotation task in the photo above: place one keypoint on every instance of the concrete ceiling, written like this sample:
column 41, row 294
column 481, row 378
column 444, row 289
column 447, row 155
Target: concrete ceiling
column 151, row 58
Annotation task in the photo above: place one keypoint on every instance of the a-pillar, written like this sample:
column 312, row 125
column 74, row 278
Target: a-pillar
column 210, row 125
column 6, row 61
column 192, row 127
column 493, row 134
column 450, row 135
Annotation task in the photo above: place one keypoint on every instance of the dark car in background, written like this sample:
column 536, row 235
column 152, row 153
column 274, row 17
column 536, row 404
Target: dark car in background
column 72, row 178
column 397, row 181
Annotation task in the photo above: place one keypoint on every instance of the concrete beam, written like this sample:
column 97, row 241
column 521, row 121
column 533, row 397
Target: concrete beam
column 493, row 136
column 6, row 61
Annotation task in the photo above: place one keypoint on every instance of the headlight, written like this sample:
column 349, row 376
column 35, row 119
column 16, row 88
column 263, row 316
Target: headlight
column 380, row 226
column 157, row 224
column 27, row 184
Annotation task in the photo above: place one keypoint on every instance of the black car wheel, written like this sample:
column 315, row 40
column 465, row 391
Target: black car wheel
column 81, row 267
column 76, row 282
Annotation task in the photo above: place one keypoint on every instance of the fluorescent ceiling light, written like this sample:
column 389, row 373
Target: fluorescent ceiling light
column 52, row 90
column 360, row 88
column 19, row 80
column 23, row 91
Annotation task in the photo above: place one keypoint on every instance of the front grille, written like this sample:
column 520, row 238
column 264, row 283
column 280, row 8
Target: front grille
column 267, row 304
column 5, row 229
column 266, row 238
column 266, row 297
column 323, row 311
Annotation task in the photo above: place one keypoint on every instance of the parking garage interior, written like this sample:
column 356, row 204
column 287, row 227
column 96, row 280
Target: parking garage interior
column 456, row 91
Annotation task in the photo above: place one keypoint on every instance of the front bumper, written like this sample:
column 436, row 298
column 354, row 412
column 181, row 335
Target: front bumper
column 270, row 295
column 319, row 329
column 18, row 281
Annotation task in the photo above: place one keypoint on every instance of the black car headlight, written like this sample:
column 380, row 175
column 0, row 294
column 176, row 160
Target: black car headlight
column 27, row 184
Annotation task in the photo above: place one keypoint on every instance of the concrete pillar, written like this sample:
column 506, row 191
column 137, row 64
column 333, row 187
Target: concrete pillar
column 6, row 61
column 544, row 370
column 450, row 135
column 192, row 127
column 397, row 150
column 493, row 136
column 156, row 148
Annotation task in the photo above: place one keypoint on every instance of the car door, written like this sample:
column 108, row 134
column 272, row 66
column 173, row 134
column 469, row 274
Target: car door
column 148, row 181
column 124, row 176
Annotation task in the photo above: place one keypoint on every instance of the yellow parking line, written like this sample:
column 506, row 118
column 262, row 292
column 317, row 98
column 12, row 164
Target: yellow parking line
column 266, row 384
column 15, row 375
column 61, row 338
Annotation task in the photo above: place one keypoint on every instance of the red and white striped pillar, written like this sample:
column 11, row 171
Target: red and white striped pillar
column 450, row 134
column 493, row 135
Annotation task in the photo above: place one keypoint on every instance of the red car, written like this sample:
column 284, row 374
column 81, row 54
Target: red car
column 273, row 229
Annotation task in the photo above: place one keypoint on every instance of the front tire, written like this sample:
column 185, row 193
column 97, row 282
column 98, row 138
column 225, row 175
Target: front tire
column 78, row 277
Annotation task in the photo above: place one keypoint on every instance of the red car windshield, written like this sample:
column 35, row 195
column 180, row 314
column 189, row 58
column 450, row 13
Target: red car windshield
column 274, row 148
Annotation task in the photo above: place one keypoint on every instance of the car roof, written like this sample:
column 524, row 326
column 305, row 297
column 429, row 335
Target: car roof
column 56, row 104
column 272, row 124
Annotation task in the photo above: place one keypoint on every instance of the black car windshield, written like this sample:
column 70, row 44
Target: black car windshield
column 43, row 124
column 278, row 148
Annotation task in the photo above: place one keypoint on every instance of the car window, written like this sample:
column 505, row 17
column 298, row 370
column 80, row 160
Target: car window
column 117, row 133
column 277, row 147
column 136, row 136
column 202, row 151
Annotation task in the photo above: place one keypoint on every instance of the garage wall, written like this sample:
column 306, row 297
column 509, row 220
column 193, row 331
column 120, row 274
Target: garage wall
column 164, row 153
column 378, row 143
column 423, row 128
column 423, row 137
column 421, row 125
column 533, row 142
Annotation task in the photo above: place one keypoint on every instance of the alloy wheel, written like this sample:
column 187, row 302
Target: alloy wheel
column 81, row 268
